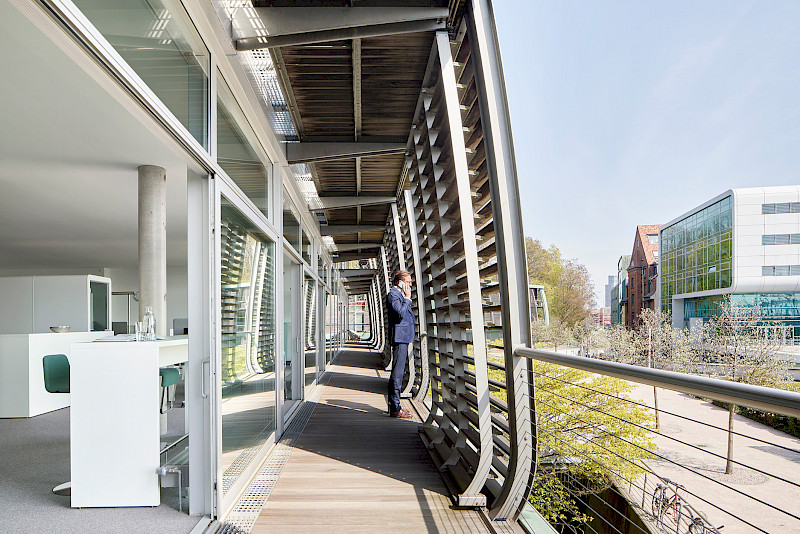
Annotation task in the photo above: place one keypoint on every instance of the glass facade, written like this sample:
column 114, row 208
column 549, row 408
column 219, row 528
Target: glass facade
column 237, row 155
column 291, row 222
column 306, row 251
column 291, row 282
column 248, row 339
column 310, row 327
column 162, row 46
column 696, row 253
column 776, row 308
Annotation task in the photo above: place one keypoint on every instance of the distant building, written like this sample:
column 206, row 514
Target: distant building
column 612, row 281
column 744, row 242
column 601, row 317
column 642, row 273
column 619, row 293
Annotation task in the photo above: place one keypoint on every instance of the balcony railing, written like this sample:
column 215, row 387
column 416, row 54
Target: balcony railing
column 613, row 463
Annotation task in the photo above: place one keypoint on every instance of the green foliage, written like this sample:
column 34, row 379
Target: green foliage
column 745, row 346
column 552, row 500
column 584, row 430
column 569, row 288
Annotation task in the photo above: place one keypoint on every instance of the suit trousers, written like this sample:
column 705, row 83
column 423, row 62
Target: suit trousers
column 400, row 352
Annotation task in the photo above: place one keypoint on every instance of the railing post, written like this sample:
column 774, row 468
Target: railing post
column 512, row 265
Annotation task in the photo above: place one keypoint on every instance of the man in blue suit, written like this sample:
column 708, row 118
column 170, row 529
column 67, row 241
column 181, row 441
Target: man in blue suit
column 401, row 333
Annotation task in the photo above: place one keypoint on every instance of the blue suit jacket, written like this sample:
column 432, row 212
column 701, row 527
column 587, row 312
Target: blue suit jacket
column 401, row 317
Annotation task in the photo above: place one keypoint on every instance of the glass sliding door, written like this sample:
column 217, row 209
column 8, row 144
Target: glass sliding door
column 248, row 400
column 292, row 377
column 310, row 330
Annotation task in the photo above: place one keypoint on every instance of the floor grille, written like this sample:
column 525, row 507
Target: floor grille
column 247, row 509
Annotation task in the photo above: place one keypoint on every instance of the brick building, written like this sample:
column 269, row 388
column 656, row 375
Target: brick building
column 642, row 273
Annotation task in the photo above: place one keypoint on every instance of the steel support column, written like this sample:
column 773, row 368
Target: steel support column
column 424, row 371
column 401, row 257
column 380, row 306
column 510, row 243
column 384, row 292
column 471, row 496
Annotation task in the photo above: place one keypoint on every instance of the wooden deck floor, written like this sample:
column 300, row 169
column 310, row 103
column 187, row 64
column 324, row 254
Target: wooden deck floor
column 356, row 470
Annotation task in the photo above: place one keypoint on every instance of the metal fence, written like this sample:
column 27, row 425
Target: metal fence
column 631, row 468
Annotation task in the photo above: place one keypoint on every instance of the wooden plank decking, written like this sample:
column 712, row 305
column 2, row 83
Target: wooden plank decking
column 356, row 470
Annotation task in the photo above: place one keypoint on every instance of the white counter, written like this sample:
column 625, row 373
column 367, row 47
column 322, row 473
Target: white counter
column 114, row 420
column 22, row 392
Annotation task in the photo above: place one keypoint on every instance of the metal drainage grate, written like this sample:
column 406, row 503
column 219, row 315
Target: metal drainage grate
column 247, row 509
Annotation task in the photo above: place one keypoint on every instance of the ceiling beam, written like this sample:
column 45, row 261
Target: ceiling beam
column 340, row 229
column 350, row 256
column 349, row 247
column 306, row 152
column 339, row 34
column 332, row 203
column 357, row 87
column 357, row 273
column 266, row 27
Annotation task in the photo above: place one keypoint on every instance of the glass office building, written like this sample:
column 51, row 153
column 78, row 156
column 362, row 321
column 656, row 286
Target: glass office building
column 696, row 252
column 746, row 243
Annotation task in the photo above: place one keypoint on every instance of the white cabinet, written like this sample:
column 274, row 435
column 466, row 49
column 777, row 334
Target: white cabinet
column 32, row 304
column 22, row 392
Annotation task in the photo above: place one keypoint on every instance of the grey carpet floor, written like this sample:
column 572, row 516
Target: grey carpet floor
column 34, row 457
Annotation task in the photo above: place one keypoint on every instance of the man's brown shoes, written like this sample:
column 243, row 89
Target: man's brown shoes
column 402, row 414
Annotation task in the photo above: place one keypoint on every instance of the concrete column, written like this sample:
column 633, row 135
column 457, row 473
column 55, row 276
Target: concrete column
column 153, row 244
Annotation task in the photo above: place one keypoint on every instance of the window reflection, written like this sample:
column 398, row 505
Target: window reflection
column 236, row 155
column 696, row 253
column 310, row 330
column 248, row 341
column 162, row 46
column 291, row 224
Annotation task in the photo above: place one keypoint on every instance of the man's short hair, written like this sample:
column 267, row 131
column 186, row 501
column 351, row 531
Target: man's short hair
column 399, row 276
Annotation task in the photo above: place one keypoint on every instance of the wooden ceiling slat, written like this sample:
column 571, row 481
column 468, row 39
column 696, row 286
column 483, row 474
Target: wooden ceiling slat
column 392, row 68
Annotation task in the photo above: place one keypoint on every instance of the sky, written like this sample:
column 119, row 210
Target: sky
column 628, row 112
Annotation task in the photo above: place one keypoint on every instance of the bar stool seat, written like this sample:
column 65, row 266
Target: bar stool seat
column 170, row 376
column 56, row 380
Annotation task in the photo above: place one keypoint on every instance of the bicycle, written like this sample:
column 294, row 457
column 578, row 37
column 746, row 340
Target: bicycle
column 697, row 524
column 661, row 503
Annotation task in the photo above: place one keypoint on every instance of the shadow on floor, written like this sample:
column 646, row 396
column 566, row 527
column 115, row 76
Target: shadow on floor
column 365, row 470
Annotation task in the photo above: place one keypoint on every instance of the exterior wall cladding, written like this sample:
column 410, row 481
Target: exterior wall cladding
column 642, row 273
column 742, row 242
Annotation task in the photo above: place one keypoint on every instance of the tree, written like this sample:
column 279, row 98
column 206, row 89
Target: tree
column 589, row 337
column 554, row 334
column 746, row 350
column 654, row 344
column 569, row 288
column 584, row 438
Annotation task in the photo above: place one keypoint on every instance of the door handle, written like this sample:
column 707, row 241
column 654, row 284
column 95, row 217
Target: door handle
column 203, row 377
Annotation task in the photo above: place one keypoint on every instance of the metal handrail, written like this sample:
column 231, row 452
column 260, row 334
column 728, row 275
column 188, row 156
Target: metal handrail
column 762, row 398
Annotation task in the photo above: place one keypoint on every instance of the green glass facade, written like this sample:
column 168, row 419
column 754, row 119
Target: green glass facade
column 776, row 308
column 696, row 253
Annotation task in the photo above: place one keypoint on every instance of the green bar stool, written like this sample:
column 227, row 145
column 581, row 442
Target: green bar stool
column 56, row 373
column 170, row 377
column 56, row 380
